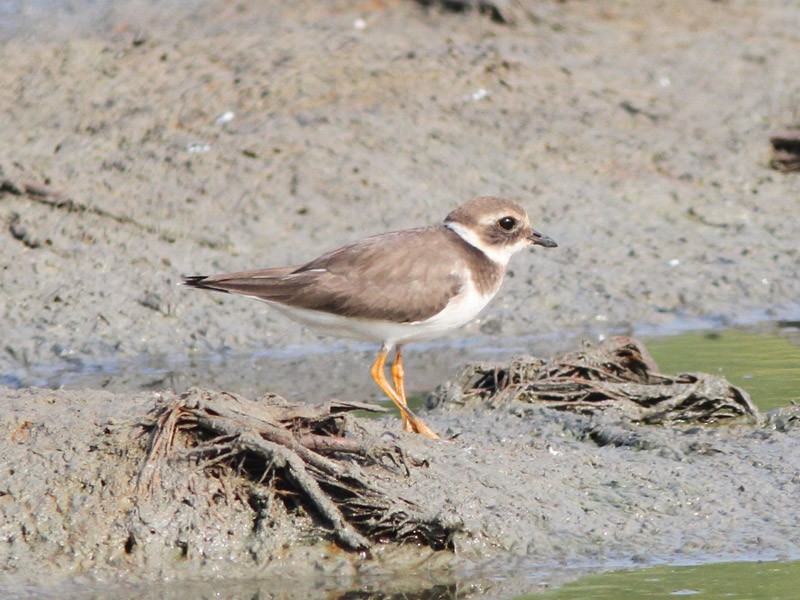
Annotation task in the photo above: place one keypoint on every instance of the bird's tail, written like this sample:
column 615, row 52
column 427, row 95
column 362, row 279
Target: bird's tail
column 201, row 282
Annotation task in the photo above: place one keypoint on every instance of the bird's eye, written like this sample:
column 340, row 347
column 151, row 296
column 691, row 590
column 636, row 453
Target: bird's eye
column 507, row 223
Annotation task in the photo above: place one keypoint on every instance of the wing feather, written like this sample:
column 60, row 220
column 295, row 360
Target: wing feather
column 402, row 276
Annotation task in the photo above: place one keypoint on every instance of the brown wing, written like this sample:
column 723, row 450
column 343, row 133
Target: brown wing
column 402, row 276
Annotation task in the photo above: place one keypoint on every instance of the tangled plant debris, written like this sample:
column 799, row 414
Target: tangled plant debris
column 305, row 448
column 786, row 149
column 320, row 457
column 618, row 372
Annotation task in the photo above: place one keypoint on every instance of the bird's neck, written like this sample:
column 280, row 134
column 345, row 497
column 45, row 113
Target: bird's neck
column 498, row 255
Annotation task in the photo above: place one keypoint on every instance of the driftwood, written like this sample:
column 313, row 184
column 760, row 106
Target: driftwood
column 292, row 449
column 619, row 372
column 786, row 150
column 499, row 11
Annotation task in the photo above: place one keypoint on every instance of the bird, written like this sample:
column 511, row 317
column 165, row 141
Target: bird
column 398, row 287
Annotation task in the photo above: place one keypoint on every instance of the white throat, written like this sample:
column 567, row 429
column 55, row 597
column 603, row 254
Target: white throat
column 497, row 254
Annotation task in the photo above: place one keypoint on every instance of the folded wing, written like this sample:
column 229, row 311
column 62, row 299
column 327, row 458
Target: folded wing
column 389, row 277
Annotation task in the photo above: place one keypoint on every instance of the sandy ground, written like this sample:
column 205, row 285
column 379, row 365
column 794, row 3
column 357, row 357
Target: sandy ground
column 143, row 141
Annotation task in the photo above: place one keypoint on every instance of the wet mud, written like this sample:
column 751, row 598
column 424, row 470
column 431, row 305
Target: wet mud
column 156, row 142
column 143, row 142
column 209, row 485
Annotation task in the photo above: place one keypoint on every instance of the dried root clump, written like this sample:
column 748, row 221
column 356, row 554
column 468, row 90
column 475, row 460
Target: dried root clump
column 296, row 449
column 619, row 373
column 786, row 149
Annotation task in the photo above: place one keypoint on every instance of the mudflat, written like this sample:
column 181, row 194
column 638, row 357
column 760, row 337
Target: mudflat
column 151, row 143
column 140, row 143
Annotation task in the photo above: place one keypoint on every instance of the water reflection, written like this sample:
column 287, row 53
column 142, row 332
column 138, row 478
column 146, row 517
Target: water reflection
column 731, row 581
column 766, row 363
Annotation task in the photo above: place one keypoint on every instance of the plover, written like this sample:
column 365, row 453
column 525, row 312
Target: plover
column 398, row 287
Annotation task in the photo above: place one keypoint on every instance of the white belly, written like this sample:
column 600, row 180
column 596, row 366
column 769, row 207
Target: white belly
column 459, row 311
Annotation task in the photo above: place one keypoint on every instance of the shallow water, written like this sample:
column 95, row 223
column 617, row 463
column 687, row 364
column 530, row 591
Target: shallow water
column 716, row 581
column 731, row 581
column 764, row 363
column 762, row 358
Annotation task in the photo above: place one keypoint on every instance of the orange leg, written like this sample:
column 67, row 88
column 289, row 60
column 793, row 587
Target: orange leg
column 377, row 371
column 398, row 373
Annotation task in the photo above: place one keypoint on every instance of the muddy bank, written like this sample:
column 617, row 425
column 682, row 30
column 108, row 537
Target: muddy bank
column 124, row 489
column 153, row 141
